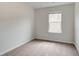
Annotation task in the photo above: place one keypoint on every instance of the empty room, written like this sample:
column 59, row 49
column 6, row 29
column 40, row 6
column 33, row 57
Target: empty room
column 39, row 29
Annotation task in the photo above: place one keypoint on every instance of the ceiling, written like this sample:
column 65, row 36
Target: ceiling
column 45, row 4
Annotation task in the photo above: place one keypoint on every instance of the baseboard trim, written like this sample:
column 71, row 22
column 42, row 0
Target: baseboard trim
column 55, row 40
column 20, row 44
column 76, row 46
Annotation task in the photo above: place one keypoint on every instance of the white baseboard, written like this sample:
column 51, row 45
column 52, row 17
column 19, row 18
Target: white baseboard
column 15, row 47
column 76, row 47
column 44, row 38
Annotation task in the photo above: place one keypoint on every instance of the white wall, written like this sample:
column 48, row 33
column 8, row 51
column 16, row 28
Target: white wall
column 67, row 23
column 77, row 25
column 16, row 25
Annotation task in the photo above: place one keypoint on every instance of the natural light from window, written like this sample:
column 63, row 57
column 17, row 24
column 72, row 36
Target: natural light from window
column 55, row 23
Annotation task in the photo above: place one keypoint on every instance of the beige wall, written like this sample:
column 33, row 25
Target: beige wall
column 77, row 25
column 16, row 25
column 67, row 23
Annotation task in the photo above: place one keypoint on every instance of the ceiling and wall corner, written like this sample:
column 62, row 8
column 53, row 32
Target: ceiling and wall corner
column 37, row 5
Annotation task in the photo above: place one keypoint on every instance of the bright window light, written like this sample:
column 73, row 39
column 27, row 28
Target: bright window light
column 55, row 23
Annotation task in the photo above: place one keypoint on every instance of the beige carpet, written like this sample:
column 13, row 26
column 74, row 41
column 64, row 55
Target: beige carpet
column 44, row 48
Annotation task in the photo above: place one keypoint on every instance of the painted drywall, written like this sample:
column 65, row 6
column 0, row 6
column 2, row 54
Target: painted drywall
column 41, row 18
column 16, row 25
column 77, row 25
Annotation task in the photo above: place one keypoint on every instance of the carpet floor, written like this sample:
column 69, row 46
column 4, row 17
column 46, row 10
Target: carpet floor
column 44, row 48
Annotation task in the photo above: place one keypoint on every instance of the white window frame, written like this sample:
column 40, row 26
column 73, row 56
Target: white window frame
column 54, row 22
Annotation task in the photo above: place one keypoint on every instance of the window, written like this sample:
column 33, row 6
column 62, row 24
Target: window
column 55, row 23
